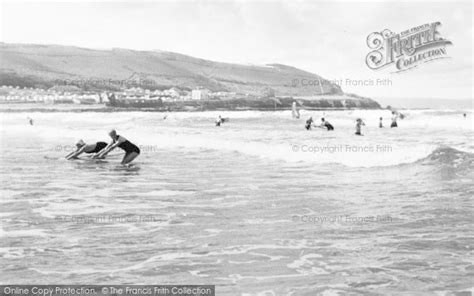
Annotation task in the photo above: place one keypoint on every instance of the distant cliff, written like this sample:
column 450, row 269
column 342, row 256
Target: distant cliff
column 47, row 66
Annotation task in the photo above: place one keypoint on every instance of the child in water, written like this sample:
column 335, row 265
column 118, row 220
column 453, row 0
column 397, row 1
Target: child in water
column 359, row 125
column 380, row 122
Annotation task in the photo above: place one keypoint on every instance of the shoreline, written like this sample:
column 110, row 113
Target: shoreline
column 202, row 106
column 114, row 109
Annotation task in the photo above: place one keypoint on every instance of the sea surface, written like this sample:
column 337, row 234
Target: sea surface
column 258, row 206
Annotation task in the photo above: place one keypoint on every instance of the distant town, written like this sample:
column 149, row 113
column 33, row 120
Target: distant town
column 177, row 99
column 16, row 94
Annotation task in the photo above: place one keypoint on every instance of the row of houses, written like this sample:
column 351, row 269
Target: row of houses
column 38, row 95
column 34, row 95
column 53, row 99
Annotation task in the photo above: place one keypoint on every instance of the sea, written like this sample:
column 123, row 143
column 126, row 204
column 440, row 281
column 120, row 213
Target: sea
column 257, row 206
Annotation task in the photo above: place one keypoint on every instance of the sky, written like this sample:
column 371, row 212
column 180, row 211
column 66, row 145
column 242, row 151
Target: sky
column 326, row 38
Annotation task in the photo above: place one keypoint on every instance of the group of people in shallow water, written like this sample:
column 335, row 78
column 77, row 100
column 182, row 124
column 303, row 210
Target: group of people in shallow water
column 324, row 124
column 99, row 150
column 359, row 123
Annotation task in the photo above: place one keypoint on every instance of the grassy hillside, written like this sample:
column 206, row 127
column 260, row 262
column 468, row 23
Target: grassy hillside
column 49, row 65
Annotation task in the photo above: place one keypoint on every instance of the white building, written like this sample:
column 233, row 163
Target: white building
column 199, row 94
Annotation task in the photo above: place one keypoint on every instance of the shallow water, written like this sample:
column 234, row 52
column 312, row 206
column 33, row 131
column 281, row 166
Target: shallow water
column 259, row 206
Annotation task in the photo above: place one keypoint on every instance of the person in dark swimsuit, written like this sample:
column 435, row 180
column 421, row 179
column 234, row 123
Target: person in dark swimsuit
column 82, row 147
column 219, row 121
column 394, row 119
column 326, row 124
column 359, row 124
column 131, row 150
column 309, row 123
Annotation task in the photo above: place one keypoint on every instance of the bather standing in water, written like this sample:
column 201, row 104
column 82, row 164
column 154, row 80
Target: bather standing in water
column 131, row 150
column 309, row 123
column 219, row 121
column 359, row 125
column 394, row 119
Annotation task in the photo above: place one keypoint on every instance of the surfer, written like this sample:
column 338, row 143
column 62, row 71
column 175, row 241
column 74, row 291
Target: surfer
column 82, row 147
column 131, row 150
column 326, row 124
column 380, row 122
column 394, row 119
column 308, row 124
column 359, row 124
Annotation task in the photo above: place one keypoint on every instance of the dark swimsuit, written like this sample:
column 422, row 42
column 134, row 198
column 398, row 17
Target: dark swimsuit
column 98, row 147
column 394, row 124
column 219, row 122
column 128, row 146
column 329, row 126
column 308, row 124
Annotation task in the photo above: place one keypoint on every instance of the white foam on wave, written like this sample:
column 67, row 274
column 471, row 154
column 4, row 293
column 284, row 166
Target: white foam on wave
column 12, row 253
column 169, row 257
column 363, row 154
column 23, row 233
column 305, row 265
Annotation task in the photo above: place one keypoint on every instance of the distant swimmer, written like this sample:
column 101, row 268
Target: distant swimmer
column 30, row 120
column 394, row 119
column 359, row 124
column 295, row 113
column 380, row 122
column 464, row 115
column 131, row 150
column 309, row 123
column 166, row 115
column 220, row 120
column 326, row 124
